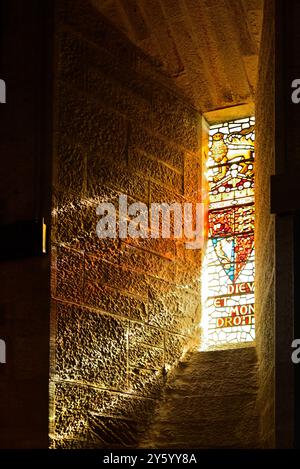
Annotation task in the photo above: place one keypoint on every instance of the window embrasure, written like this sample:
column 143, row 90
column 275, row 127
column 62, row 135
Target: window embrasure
column 228, row 272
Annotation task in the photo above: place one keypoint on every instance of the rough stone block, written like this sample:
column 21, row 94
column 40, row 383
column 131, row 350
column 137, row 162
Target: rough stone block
column 119, row 177
column 101, row 60
column 173, row 323
column 115, row 302
column 68, row 214
column 103, row 133
column 107, row 133
column 144, row 356
column 172, row 308
column 188, row 278
column 76, row 221
column 188, row 258
column 143, row 261
column 164, row 299
column 155, row 170
column 69, row 276
column 69, row 443
column 71, row 55
column 175, row 121
column 189, row 306
column 175, row 346
column 145, row 382
column 144, row 334
column 74, row 399
column 192, row 177
column 107, row 85
column 153, row 146
column 69, row 167
column 105, row 273
column 90, row 347
column 69, row 260
column 160, row 194
column 73, row 115
column 163, row 246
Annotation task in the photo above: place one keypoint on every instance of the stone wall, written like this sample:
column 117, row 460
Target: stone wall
column 265, row 229
column 123, row 311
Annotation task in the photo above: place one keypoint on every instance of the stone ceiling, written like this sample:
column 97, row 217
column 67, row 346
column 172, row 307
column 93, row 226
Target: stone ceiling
column 208, row 47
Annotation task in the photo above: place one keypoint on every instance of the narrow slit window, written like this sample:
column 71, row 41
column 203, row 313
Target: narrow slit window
column 228, row 272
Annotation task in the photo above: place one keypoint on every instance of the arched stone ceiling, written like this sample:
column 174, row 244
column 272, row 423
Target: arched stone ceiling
column 208, row 47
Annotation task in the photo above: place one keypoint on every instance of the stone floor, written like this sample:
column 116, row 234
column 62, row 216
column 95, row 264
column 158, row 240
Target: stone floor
column 209, row 402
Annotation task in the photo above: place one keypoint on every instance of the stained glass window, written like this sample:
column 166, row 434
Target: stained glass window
column 228, row 273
